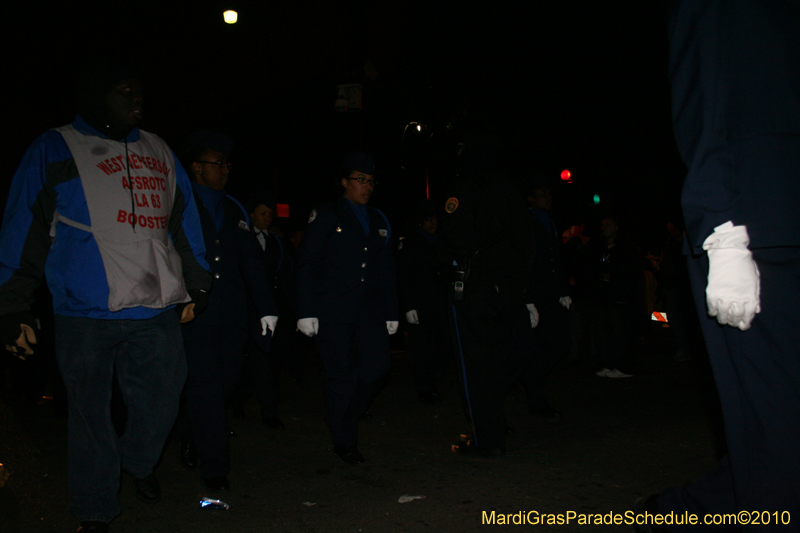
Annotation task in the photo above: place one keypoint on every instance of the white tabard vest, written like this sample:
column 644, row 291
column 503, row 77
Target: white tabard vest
column 129, row 200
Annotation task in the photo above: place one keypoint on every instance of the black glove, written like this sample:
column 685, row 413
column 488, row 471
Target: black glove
column 11, row 327
column 199, row 299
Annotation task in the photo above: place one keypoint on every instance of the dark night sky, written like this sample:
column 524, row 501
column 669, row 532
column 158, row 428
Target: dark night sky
column 568, row 84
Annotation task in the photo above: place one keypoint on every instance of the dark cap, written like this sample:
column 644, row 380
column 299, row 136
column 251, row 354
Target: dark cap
column 360, row 161
column 208, row 140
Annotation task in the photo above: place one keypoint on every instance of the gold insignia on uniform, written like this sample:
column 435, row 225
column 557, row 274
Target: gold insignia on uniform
column 338, row 229
column 312, row 216
column 451, row 205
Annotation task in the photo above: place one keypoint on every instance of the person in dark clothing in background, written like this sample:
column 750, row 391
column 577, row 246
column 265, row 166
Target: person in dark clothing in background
column 422, row 293
column 215, row 342
column 264, row 360
column 614, row 274
column 486, row 239
column 549, row 341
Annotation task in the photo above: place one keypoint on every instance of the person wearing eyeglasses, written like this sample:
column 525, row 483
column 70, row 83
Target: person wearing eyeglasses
column 347, row 300
column 215, row 345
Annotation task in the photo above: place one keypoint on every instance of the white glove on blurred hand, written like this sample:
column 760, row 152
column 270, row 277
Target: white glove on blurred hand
column 268, row 323
column 308, row 326
column 566, row 301
column 734, row 287
column 391, row 326
column 412, row 317
column 534, row 315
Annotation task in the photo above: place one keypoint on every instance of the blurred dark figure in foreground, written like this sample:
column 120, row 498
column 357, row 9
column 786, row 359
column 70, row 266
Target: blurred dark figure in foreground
column 422, row 293
column 486, row 239
column 549, row 341
column 105, row 212
column 736, row 114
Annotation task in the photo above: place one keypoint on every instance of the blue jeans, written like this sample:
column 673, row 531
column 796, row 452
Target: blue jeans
column 151, row 368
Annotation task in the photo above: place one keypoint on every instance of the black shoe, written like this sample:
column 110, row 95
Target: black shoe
column 217, row 483
column 148, row 489
column 350, row 456
column 546, row 411
column 274, row 423
column 188, row 455
column 469, row 449
column 93, row 527
column 430, row 397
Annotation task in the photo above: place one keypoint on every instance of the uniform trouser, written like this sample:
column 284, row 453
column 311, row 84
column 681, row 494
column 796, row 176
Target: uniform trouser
column 547, row 345
column 613, row 336
column 149, row 360
column 488, row 329
column 214, row 355
column 355, row 363
column 758, row 379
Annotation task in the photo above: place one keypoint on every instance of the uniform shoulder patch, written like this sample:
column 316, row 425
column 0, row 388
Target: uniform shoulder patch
column 243, row 225
column 312, row 216
column 383, row 232
column 451, row 205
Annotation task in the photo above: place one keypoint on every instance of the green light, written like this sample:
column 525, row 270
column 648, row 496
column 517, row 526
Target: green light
column 596, row 199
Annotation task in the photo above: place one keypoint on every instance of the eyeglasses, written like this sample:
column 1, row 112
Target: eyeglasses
column 220, row 164
column 364, row 181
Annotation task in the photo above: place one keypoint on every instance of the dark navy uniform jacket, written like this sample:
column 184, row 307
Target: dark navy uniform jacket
column 419, row 282
column 237, row 265
column 740, row 133
column 343, row 274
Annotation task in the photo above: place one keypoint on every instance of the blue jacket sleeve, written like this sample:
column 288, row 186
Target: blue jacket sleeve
column 25, row 233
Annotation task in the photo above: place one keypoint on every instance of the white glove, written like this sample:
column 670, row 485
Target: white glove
column 733, row 290
column 268, row 323
column 391, row 326
column 412, row 317
column 566, row 301
column 308, row 326
column 534, row 315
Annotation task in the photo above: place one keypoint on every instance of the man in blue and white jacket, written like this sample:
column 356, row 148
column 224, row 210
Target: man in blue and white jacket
column 105, row 213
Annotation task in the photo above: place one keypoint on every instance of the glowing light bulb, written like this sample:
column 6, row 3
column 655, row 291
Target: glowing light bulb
column 230, row 16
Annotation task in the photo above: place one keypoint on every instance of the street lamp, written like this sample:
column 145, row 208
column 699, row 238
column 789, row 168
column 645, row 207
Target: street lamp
column 230, row 16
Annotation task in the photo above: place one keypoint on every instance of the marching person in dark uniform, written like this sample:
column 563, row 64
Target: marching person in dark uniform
column 487, row 233
column 614, row 270
column 550, row 292
column 423, row 300
column 740, row 138
column 346, row 297
column 266, row 356
column 215, row 344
